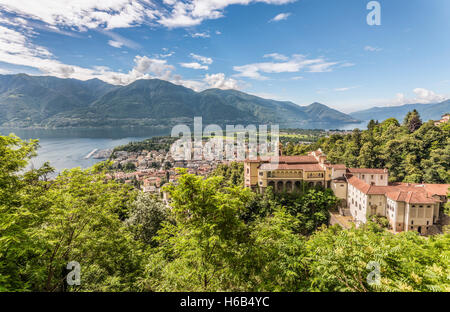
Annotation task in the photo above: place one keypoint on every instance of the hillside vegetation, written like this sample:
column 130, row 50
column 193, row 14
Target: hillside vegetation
column 216, row 236
column 412, row 151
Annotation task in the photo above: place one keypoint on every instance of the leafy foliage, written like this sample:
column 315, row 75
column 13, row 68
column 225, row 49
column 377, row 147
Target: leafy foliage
column 216, row 236
column 413, row 152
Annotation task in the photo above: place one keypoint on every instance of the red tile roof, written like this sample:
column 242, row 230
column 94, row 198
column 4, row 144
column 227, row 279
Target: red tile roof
column 298, row 159
column 286, row 159
column 367, row 170
column 409, row 193
column 304, row 167
column 337, row 166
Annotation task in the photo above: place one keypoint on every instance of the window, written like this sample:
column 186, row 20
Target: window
column 428, row 222
column 248, row 170
column 381, row 177
column 371, row 176
column 363, row 176
column 261, row 174
column 412, row 227
column 412, row 221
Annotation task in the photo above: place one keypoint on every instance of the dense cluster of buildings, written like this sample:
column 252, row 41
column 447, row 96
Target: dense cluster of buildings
column 363, row 191
column 150, row 170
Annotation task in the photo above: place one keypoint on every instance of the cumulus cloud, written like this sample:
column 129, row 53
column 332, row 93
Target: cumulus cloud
column 428, row 96
column 293, row 64
column 203, row 59
column 17, row 49
column 220, row 81
column 82, row 15
column 280, row 17
column 109, row 14
column 115, row 44
column 193, row 12
column 422, row 96
column 200, row 35
column 194, row 65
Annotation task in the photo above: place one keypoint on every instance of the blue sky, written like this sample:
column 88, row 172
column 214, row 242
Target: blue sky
column 304, row 51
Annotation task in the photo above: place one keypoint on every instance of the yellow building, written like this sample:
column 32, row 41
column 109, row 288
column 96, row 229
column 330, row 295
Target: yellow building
column 363, row 191
column 289, row 173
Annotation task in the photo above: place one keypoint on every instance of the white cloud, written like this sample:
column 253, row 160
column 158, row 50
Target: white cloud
column 298, row 78
column 193, row 12
column 428, row 96
column 344, row 89
column 4, row 71
column 84, row 14
column 372, row 49
column 120, row 40
column 220, row 81
column 280, row 17
column 277, row 56
column 194, row 65
column 81, row 15
column 294, row 64
column 322, row 67
column 17, row 49
column 422, row 96
column 218, row 32
column 200, row 35
column 115, row 44
column 203, row 59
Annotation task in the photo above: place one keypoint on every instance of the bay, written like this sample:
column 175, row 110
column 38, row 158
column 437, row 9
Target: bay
column 67, row 148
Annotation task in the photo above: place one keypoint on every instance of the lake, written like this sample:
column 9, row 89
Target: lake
column 67, row 148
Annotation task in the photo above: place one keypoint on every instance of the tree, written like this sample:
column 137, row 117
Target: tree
column 202, row 249
column 129, row 166
column 74, row 217
column 412, row 121
column 341, row 260
column 232, row 173
column 146, row 217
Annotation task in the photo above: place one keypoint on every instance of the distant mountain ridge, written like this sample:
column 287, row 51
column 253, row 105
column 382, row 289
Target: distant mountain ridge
column 35, row 101
column 426, row 111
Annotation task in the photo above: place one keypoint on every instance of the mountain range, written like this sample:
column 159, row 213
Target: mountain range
column 426, row 111
column 50, row 102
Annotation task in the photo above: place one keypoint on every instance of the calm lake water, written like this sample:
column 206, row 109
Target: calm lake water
column 67, row 148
